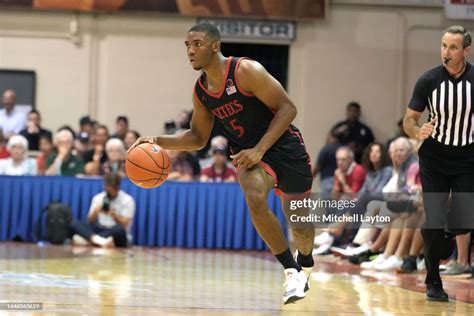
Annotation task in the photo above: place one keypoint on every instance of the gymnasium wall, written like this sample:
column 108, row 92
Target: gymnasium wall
column 136, row 65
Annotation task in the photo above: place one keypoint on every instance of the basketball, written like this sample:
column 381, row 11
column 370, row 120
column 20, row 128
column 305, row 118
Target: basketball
column 147, row 165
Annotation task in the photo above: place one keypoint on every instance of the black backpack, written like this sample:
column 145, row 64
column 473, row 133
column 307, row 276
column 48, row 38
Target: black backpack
column 53, row 224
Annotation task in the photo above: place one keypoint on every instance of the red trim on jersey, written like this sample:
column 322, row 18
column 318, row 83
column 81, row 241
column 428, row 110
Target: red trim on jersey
column 237, row 80
column 297, row 135
column 221, row 91
column 269, row 170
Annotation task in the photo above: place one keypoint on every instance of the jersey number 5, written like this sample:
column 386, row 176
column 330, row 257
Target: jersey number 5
column 237, row 127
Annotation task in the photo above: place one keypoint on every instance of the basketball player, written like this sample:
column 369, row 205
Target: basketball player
column 268, row 151
column 447, row 152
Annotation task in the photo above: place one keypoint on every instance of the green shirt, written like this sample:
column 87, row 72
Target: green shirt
column 72, row 166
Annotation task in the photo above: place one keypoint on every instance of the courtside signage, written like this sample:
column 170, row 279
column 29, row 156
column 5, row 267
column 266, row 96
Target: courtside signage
column 254, row 29
column 459, row 9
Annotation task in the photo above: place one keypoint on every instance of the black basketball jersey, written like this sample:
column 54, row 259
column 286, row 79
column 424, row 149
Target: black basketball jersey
column 450, row 103
column 245, row 119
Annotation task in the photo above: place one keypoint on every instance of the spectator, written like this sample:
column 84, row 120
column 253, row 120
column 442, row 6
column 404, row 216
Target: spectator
column 375, row 162
column 219, row 171
column 462, row 263
column 64, row 162
column 216, row 141
column 121, row 127
column 326, row 162
column 130, row 137
column 170, row 127
column 46, row 149
column 18, row 164
column 181, row 169
column 12, row 120
column 115, row 150
column 110, row 217
column 100, row 136
column 404, row 179
column 86, row 125
column 359, row 135
column 68, row 128
column 34, row 131
column 3, row 149
column 349, row 175
column 82, row 144
column 184, row 119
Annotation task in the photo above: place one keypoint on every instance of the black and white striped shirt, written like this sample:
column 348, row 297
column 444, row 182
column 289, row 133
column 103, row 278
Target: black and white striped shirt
column 449, row 101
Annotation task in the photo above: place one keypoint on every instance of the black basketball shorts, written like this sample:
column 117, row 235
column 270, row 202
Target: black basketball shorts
column 290, row 167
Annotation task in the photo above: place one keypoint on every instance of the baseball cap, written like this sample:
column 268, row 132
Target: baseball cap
column 83, row 137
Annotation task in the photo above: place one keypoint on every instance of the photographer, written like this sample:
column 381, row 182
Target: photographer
column 110, row 217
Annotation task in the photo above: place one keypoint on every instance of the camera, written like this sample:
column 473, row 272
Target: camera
column 106, row 203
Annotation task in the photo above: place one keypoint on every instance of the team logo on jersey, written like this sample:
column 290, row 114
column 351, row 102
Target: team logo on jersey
column 230, row 88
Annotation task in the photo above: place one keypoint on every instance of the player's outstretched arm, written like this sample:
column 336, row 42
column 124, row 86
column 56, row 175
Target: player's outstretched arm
column 254, row 79
column 190, row 139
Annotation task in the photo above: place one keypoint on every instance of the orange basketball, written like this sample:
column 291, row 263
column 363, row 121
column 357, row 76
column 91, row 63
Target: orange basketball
column 147, row 165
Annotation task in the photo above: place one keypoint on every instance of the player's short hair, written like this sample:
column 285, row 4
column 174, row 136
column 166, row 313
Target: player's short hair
column 459, row 29
column 209, row 29
column 112, row 179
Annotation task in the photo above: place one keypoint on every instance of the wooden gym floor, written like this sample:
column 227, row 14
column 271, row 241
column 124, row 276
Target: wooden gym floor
column 150, row 281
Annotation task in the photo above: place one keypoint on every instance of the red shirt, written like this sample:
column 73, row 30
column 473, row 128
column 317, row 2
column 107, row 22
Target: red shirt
column 4, row 152
column 354, row 179
column 218, row 177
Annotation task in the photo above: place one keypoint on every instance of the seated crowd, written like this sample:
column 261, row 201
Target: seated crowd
column 384, row 184
column 26, row 148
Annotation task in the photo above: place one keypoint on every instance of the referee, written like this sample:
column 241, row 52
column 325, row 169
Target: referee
column 447, row 152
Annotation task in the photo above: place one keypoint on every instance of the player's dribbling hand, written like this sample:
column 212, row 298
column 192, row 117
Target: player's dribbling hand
column 426, row 130
column 141, row 140
column 247, row 158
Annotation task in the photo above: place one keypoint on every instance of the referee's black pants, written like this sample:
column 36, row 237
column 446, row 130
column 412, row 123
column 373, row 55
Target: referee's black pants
column 441, row 178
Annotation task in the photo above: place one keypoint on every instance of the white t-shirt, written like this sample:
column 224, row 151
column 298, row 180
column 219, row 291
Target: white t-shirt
column 123, row 204
column 27, row 167
column 14, row 122
column 392, row 185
